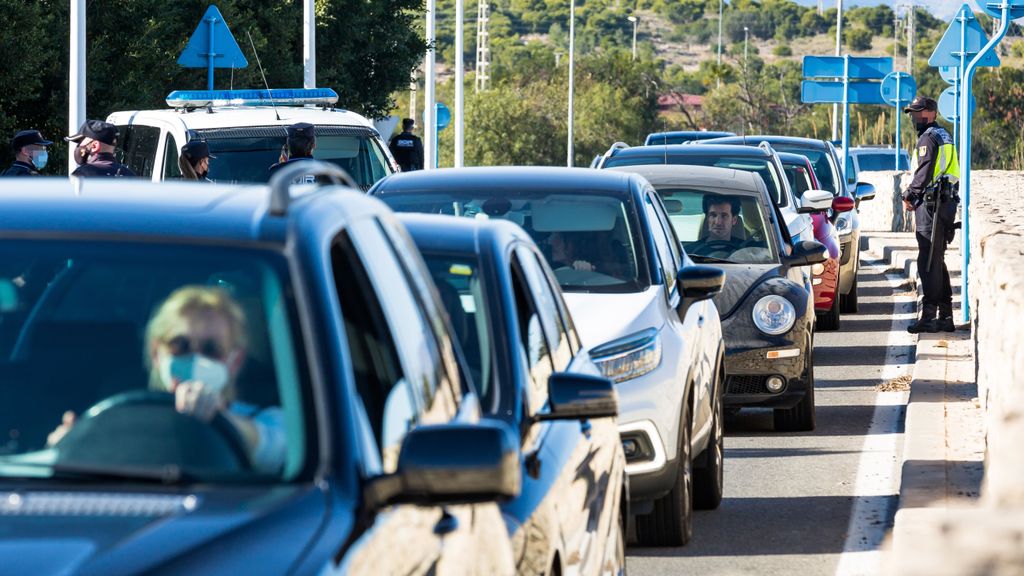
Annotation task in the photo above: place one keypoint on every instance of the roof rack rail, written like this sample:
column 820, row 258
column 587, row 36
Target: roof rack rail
column 281, row 182
column 615, row 146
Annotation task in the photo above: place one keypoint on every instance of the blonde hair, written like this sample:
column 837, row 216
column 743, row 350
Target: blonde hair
column 188, row 172
column 189, row 300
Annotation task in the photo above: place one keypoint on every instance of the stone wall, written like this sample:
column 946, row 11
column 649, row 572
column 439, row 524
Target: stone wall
column 885, row 212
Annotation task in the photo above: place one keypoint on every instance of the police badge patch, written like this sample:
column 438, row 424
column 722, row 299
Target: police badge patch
column 921, row 151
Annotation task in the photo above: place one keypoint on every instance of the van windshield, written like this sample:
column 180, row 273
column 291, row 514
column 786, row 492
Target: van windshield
column 246, row 154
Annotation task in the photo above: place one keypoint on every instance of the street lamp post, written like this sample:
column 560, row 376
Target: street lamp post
column 636, row 22
column 746, row 37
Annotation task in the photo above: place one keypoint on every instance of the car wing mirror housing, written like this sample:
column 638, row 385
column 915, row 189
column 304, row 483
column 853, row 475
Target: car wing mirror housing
column 450, row 464
column 843, row 204
column 865, row 191
column 574, row 396
column 807, row 253
column 815, row 201
column 699, row 282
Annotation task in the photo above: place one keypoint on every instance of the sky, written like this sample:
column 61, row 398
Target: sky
column 942, row 9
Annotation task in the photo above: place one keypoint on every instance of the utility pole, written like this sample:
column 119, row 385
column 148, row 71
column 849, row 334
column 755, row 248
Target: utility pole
column 76, row 77
column 895, row 36
column 839, row 50
column 483, row 53
column 720, row 3
column 308, row 44
column 910, row 37
column 572, row 74
column 429, row 98
column 460, row 82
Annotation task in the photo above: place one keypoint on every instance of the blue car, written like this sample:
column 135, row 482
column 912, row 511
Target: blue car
column 229, row 380
column 533, row 374
column 683, row 136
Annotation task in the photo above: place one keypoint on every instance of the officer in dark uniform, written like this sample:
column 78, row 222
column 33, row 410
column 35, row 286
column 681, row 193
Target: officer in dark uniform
column 407, row 148
column 932, row 196
column 300, row 145
column 94, row 155
column 30, row 154
column 194, row 161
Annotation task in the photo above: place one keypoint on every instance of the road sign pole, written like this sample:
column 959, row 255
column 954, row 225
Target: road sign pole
column 76, row 76
column 846, row 115
column 209, row 69
column 896, row 165
column 965, row 154
column 958, row 82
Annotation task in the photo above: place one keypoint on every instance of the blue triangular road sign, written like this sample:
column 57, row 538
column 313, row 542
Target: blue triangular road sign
column 947, row 51
column 212, row 31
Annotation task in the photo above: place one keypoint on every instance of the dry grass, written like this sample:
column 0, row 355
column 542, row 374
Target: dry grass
column 899, row 384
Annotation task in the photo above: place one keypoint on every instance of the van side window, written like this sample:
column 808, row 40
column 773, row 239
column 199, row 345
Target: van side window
column 139, row 144
column 171, row 153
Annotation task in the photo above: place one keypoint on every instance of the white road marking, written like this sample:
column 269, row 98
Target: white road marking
column 877, row 483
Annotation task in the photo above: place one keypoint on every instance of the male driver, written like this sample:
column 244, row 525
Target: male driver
column 301, row 143
column 721, row 214
column 30, row 154
column 94, row 155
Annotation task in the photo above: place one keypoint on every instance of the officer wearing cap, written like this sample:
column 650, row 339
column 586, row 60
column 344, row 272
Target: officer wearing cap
column 94, row 155
column 194, row 161
column 407, row 148
column 30, row 154
column 300, row 145
column 932, row 196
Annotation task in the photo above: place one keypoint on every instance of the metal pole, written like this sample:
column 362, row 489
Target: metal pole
column 910, row 38
column 720, row 8
column 459, row 83
column 309, row 44
column 965, row 157
column 746, row 35
column 846, row 115
column 839, row 48
column 896, row 165
column 209, row 57
column 572, row 73
column 958, row 83
column 76, row 76
column 429, row 99
column 636, row 22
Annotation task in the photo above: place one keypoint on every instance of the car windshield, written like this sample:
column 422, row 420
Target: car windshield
column 589, row 239
column 820, row 161
column 192, row 353
column 246, row 154
column 715, row 226
column 879, row 161
column 799, row 178
column 462, row 291
column 761, row 166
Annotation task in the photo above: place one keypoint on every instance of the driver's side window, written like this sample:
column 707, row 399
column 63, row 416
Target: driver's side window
column 665, row 256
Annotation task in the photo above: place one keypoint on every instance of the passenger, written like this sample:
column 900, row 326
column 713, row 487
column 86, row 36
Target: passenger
column 30, row 154
column 194, row 161
column 196, row 346
column 721, row 215
column 94, row 155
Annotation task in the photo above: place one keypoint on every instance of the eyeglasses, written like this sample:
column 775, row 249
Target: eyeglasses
column 181, row 345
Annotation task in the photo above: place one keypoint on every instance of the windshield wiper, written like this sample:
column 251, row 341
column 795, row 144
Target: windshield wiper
column 709, row 259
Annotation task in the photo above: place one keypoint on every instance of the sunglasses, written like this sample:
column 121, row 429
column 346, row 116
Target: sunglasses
column 182, row 345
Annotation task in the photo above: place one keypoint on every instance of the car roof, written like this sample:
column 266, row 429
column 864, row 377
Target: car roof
column 708, row 133
column 137, row 209
column 241, row 116
column 709, row 177
column 443, row 233
column 506, row 179
column 773, row 140
column 694, row 149
column 790, row 158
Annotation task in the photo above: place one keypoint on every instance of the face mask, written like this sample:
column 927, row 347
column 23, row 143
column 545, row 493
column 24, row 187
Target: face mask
column 39, row 159
column 920, row 126
column 192, row 367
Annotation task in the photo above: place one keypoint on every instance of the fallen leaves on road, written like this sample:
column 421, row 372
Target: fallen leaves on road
column 899, row 384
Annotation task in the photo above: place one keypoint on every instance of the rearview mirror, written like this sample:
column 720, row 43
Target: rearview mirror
column 450, row 464
column 815, row 201
column 843, row 204
column 807, row 253
column 577, row 396
column 865, row 191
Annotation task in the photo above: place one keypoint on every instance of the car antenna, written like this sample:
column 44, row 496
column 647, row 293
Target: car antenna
column 274, row 106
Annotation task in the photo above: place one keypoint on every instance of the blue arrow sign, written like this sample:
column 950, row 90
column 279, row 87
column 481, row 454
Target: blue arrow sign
column 907, row 88
column 831, row 92
column 949, row 107
column 212, row 46
column 947, row 52
column 860, row 68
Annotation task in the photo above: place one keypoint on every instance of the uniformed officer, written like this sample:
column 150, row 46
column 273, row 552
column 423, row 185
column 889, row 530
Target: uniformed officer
column 932, row 196
column 194, row 161
column 301, row 143
column 407, row 148
column 94, row 155
column 30, row 154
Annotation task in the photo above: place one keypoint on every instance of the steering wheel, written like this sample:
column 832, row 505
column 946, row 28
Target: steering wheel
column 143, row 428
column 711, row 246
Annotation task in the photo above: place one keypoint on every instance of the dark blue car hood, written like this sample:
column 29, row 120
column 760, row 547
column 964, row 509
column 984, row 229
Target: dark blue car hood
column 740, row 280
column 201, row 531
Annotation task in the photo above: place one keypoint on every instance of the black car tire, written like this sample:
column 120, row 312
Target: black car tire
column 671, row 521
column 799, row 418
column 709, row 480
column 848, row 302
column 829, row 321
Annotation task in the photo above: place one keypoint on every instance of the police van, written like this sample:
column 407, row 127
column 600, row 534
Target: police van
column 246, row 132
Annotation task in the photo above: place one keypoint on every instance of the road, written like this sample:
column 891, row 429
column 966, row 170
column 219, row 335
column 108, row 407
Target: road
column 816, row 502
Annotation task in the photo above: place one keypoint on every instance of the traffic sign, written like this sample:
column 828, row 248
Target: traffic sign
column 861, row 68
column 831, row 92
column 949, row 106
column 964, row 35
column 444, row 116
column 897, row 88
column 951, row 74
column 212, row 46
column 994, row 9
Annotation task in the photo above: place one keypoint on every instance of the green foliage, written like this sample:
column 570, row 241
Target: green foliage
column 783, row 50
column 858, row 39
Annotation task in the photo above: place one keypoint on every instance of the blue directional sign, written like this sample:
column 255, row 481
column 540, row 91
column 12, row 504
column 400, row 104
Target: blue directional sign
column 898, row 88
column 212, row 46
column 951, row 74
column 860, row 68
column 949, row 105
column 444, row 116
column 831, row 92
column 994, row 8
column 964, row 35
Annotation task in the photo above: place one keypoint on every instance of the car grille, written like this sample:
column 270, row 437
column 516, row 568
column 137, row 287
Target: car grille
column 747, row 385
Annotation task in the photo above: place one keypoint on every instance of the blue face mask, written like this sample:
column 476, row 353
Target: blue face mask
column 39, row 159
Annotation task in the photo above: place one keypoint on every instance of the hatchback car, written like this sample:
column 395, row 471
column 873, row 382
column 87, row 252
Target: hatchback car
column 533, row 374
column 641, row 307
column 230, row 380
column 726, row 218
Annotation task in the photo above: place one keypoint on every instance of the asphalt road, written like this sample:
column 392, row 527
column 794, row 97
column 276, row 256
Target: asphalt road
column 816, row 502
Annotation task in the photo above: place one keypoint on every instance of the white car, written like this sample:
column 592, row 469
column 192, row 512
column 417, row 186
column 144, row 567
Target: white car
column 246, row 133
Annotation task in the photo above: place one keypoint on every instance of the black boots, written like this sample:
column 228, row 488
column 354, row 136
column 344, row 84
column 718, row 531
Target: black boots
column 927, row 321
column 944, row 323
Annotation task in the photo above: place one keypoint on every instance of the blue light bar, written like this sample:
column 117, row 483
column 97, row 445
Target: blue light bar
column 276, row 96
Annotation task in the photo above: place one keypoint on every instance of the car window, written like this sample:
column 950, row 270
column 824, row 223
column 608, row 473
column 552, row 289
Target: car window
column 563, row 310
column 661, row 242
column 879, row 161
column 714, row 226
column 544, row 299
column 851, row 171
column 673, row 243
column 821, row 161
column 534, row 351
column 139, row 144
column 799, row 179
column 110, row 332
column 171, row 153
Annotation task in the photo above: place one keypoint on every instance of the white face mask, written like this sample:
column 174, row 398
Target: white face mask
column 192, row 367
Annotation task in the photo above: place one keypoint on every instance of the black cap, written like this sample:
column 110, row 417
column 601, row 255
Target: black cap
column 196, row 150
column 302, row 131
column 98, row 130
column 28, row 138
column 921, row 103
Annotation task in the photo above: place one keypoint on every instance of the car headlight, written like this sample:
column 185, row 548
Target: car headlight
column 843, row 226
column 774, row 315
column 629, row 357
column 818, row 269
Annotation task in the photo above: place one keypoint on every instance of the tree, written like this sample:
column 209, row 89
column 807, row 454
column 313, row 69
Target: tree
column 858, row 39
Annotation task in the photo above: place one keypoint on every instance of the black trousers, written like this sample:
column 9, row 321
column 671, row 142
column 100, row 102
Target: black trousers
column 937, row 290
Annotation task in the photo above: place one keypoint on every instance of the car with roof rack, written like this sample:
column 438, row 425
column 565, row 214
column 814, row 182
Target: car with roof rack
column 309, row 316
column 246, row 132
column 682, row 136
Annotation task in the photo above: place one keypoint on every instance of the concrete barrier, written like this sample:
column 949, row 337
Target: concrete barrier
column 885, row 212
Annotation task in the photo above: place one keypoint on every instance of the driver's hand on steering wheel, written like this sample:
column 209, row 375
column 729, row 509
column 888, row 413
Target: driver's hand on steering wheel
column 582, row 266
column 198, row 400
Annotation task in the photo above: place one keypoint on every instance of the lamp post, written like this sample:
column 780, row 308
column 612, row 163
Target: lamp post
column 572, row 73
column 720, row 3
column 746, row 37
column 636, row 22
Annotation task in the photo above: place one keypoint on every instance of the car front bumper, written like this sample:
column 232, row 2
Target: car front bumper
column 825, row 286
column 849, row 246
column 749, row 364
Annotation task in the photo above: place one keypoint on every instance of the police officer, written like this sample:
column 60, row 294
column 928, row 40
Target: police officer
column 94, row 155
column 407, row 148
column 30, row 154
column 300, row 145
column 932, row 196
column 194, row 161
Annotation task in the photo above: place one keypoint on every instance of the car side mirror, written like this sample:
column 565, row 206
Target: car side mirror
column 807, row 253
column 815, row 201
column 865, row 191
column 578, row 396
column 843, row 204
column 699, row 282
column 450, row 464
